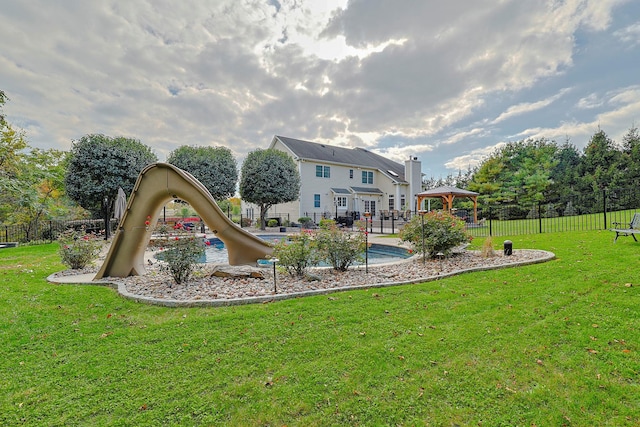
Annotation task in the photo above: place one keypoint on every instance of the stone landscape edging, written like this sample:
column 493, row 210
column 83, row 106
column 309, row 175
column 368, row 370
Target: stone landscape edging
column 122, row 290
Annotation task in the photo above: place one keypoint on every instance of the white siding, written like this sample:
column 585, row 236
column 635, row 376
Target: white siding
column 311, row 185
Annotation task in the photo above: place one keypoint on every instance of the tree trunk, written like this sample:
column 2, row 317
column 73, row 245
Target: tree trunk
column 263, row 213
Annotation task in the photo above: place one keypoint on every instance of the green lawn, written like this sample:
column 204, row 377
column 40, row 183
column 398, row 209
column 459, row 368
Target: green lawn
column 583, row 222
column 548, row 345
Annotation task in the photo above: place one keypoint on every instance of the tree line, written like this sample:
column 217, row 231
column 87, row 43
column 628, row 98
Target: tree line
column 540, row 170
column 83, row 182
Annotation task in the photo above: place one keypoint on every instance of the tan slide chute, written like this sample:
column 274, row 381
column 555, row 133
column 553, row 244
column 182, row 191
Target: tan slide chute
column 158, row 184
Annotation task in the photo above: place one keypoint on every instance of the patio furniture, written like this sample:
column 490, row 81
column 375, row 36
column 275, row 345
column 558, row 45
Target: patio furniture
column 632, row 229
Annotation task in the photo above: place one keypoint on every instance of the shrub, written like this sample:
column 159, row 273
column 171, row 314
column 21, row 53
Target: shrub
column 297, row 254
column 181, row 256
column 246, row 222
column 272, row 223
column 550, row 211
column 327, row 223
column 569, row 210
column 305, row 222
column 78, row 249
column 442, row 232
column 487, row 248
column 339, row 248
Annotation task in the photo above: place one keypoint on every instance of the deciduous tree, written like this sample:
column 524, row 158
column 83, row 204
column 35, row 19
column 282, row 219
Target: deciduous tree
column 98, row 165
column 269, row 177
column 214, row 167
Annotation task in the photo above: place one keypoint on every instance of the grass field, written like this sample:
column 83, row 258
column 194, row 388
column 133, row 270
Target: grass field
column 548, row 345
column 585, row 222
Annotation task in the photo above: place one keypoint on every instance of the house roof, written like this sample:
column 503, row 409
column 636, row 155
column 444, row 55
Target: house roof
column 356, row 157
column 340, row 191
column 366, row 190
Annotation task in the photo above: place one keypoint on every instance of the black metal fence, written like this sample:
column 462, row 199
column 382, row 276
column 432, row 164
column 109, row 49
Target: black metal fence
column 594, row 211
column 47, row 231
column 598, row 210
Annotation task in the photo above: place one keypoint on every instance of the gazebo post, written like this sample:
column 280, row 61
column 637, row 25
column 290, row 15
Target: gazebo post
column 448, row 194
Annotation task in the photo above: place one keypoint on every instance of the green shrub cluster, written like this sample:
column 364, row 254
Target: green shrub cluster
column 329, row 244
column 181, row 255
column 296, row 254
column 339, row 248
column 78, row 249
column 442, row 232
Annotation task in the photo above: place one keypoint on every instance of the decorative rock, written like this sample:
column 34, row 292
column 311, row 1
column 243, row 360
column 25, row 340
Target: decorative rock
column 239, row 282
column 236, row 272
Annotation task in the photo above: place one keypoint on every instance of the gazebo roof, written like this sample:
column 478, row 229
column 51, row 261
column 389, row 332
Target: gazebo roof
column 447, row 194
column 447, row 191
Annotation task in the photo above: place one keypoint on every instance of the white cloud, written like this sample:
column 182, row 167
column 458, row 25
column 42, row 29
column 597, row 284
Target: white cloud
column 464, row 135
column 528, row 107
column 619, row 119
column 630, row 34
column 345, row 72
column 590, row 101
column 473, row 158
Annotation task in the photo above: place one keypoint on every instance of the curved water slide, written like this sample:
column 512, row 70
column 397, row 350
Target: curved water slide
column 158, row 184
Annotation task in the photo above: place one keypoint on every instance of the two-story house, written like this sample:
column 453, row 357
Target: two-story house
column 339, row 182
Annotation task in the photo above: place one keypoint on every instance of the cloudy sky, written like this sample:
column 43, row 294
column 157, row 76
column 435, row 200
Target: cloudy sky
column 447, row 81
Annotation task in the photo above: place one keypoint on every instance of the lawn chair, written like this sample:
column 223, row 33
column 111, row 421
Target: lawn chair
column 632, row 229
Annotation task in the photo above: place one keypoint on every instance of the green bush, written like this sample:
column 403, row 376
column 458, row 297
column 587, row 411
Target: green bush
column 181, row 255
column 442, row 232
column 297, row 254
column 305, row 221
column 272, row 223
column 78, row 249
column 327, row 223
column 339, row 248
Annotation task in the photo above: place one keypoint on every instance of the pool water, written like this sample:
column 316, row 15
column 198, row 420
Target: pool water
column 216, row 253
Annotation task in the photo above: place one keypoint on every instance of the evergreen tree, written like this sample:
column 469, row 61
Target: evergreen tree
column 565, row 175
column 631, row 156
column 601, row 164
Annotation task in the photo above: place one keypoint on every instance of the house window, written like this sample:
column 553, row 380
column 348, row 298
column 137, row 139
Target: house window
column 367, row 177
column 341, row 201
column 323, row 171
column 392, row 203
column 350, row 173
column 316, row 200
column 403, row 202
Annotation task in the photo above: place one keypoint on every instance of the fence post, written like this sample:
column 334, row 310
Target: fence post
column 539, row 217
column 490, row 224
column 393, row 218
column 604, row 207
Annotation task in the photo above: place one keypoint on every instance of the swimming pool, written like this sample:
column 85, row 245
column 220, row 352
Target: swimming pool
column 216, row 253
